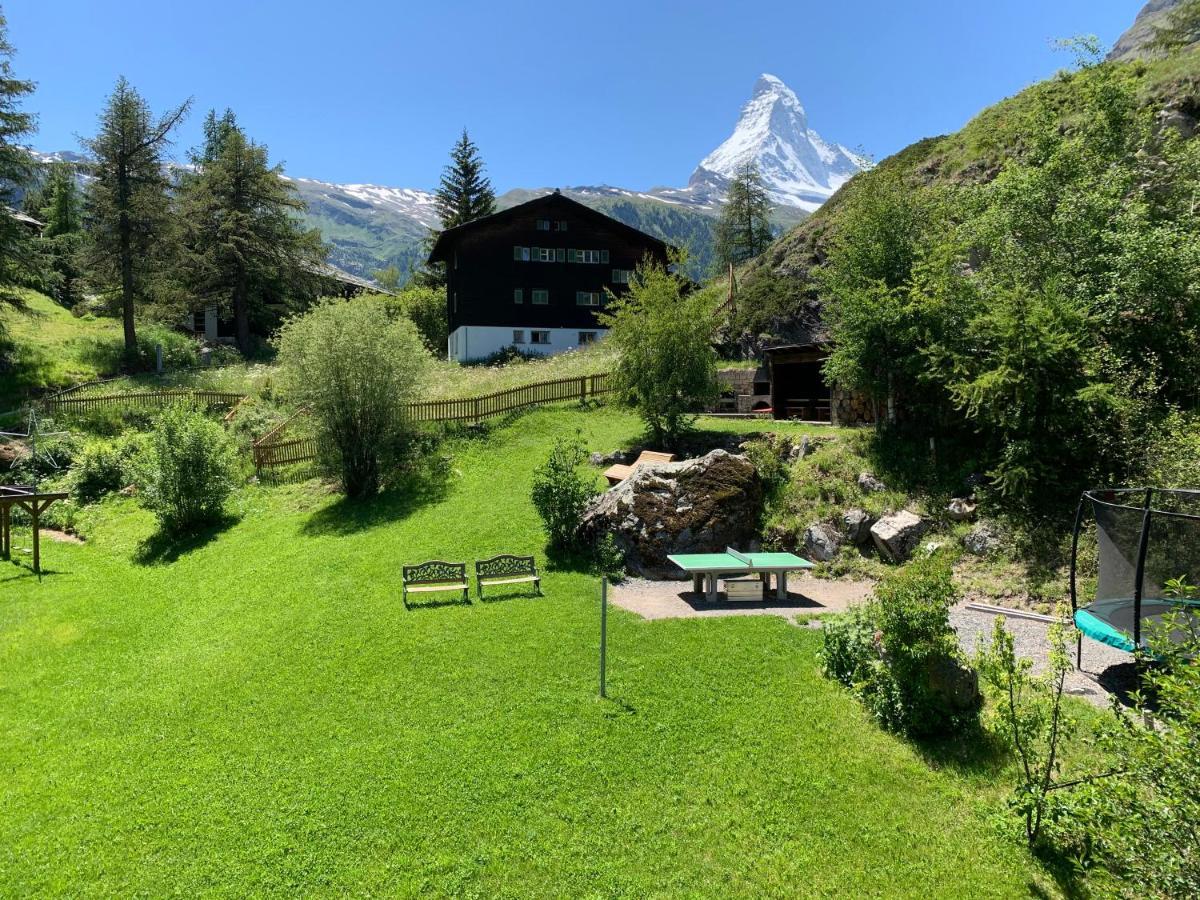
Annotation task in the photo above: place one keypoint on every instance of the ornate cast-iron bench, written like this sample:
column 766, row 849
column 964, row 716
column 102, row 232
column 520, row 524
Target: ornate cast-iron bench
column 436, row 575
column 507, row 569
column 617, row 474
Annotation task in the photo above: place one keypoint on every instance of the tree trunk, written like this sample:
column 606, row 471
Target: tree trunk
column 125, row 250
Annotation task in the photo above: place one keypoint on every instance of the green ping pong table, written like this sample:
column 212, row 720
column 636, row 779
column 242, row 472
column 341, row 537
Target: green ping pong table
column 708, row 567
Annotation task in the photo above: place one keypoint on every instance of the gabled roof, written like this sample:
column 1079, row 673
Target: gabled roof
column 547, row 203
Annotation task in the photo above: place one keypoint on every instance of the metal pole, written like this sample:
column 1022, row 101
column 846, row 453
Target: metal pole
column 603, row 634
column 1141, row 572
column 1074, row 589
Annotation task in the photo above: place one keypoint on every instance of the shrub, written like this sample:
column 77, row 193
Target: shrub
column 666, row 367
column 900, row 655
column 105, row 466
column 425, row 307
column 187, row 469
column 180, row 351
column 561, row 491
column 355, row 367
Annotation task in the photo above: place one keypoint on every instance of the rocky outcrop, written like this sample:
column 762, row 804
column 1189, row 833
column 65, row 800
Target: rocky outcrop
column 1137, row 42
column 856, row 524
column 961, row 510
column 896, row 536
column 870, row 484
column 982, row 540
column 821, row 543
column 693, row 506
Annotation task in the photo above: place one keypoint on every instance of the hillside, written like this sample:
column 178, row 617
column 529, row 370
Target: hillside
column 975, row 154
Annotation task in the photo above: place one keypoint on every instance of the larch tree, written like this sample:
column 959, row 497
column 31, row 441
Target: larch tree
column 245, row 244
column 744, row 229
column 127, row 210
column 16, row 170
column 62, row 211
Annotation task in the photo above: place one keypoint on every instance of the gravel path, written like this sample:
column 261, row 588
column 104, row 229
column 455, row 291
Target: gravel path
column 1106, row 670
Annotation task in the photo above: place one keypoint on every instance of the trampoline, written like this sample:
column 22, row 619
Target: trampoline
column 1145, row 537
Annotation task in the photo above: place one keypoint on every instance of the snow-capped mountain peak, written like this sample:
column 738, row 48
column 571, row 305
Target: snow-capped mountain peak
column 799, row 167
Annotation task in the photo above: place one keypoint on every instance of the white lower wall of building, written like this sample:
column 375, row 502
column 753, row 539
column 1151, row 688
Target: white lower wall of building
column 472, row 342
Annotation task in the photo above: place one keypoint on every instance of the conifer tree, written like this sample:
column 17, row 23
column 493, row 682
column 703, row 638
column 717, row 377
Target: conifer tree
column 62, row 238
column 127, row 211
column 464, row 194
column 744, row 229
column 16, row 170
column 245, row 245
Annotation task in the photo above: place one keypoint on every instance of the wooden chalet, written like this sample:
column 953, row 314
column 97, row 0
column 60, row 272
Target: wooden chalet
column 534, row 276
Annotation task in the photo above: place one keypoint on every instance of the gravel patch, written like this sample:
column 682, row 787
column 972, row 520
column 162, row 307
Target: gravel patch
column 1106, row 670
column 807, row 596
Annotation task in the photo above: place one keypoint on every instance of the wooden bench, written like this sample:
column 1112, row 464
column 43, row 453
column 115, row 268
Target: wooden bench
column 617, row 474
column 507, row 569
column 435, row 575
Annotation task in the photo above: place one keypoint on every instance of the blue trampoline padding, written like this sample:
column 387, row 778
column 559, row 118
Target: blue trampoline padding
column 1099, row 630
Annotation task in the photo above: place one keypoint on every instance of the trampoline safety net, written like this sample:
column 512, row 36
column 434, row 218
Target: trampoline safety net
column 1145, row 538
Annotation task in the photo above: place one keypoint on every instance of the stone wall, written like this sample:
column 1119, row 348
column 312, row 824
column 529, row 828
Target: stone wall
column 740, row 383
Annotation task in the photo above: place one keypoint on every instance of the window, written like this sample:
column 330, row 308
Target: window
column 587, row 298
column 539, row 337
column 587, row 256
column 518, row 295
column 560, row 255
column 560, row 225
column 622, row 276
column 604, row 256
column 543, row 224
column 518, row 335
column 521, row 254
column 540, row 298
column 587, row 337
column 547, row 254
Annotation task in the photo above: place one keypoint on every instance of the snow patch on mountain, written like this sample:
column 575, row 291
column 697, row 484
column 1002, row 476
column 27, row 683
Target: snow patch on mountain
column 421, row 206
column 798, row 166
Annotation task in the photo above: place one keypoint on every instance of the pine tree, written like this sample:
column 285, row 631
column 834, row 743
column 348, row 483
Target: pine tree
column 16, row 170
column 246, row 246
column 127, row 210
column 217, row 130
column 62, row 238
column 744, row 229
column 464, row 194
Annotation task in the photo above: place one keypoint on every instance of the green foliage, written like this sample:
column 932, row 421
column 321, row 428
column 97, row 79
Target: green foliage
column 1178, row 28
column 187, row 470
column 1142, row 818
column 62, row 240
column 246, row 249
column 1028, row 712
column 666, row 367
column 900, row 655
column 132, row 247
column 104, row 466
column 425, row 306
column 179, row 350
column 16, row 254
column 355, row 368
column 1172, row 455
column 561, row 491
column 744, row 228
column 1050, row 312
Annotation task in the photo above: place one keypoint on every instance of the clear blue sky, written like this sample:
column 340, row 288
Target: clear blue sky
column 555, row 93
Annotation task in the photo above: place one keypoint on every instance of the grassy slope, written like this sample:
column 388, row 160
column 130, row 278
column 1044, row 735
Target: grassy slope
column 54, row 349
column 262, row 715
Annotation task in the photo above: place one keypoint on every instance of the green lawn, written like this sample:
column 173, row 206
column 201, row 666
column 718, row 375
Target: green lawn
column 54, row 349
column 259, row 714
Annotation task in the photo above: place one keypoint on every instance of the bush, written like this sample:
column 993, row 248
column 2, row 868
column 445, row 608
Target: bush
column 666, row 367
column 356, row 368
column 105, row 466
column 561, row 491
column 900, row 655
column 180, row 351
column 187, row 470
column 425, row 307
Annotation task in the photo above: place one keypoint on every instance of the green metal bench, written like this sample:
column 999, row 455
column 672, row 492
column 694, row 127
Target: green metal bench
column 507, row 569
column 435, row 575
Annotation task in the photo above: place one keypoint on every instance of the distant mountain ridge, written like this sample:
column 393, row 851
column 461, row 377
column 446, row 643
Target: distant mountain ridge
column 370, row 227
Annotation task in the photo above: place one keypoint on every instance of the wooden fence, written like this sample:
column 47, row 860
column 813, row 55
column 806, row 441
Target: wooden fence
column 272, row 450
column 67, row 402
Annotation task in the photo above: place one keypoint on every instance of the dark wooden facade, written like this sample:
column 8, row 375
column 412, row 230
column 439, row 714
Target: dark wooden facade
column 485, row 264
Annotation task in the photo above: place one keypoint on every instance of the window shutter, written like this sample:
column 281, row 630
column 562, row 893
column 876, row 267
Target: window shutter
column 560, row 254
column 516, row 252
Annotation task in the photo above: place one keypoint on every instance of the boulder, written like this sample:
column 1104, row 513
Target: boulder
column 961, row 509
column 857, row 526
column 693, row 506
column 896, row 536
column 800, row 450
column 870, row 484
column 608, row 459
column 821, row 542
column 982, row 540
